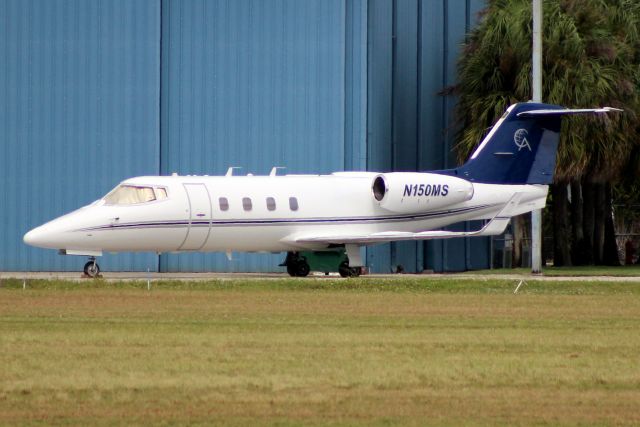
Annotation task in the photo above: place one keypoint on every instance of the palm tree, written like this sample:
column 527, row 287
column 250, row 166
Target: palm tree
column 591, row 57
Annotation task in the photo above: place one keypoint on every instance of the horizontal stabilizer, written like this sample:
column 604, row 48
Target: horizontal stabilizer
column 494, row 227
column 566, row 111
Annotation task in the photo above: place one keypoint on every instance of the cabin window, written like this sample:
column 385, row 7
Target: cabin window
column 130, row 195
column 293, row 203
column 246, row 204
column 271, row 203
column 224, row 203
column 161, row 193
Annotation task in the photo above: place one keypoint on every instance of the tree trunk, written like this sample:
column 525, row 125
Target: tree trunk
column 610, row 255
column 519, row 229
column 588, row 222
column 561, row 229
column 577, row 219
column 600, row 219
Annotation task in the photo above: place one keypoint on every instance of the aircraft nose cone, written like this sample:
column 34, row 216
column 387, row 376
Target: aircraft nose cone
column 36, row 237
column 42, row 237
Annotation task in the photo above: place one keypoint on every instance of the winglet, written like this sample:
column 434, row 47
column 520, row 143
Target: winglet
column 499, row 222
column 494, row 227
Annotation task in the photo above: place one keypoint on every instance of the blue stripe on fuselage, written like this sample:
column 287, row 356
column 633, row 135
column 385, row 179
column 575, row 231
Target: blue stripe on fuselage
column 280, row 221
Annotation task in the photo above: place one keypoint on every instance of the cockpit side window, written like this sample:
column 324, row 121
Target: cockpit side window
column 161, row 193
column 130, row 195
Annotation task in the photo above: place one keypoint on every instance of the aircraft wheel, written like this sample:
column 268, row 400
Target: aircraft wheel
column 298, row 267
column 344, row 269
column 92, row 269
column 291, row 269
column 302, row 268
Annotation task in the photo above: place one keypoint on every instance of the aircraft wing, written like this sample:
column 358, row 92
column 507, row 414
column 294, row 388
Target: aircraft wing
column 494, row 227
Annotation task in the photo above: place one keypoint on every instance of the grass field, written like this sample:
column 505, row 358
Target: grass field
column 320, row 352
column 585, row 270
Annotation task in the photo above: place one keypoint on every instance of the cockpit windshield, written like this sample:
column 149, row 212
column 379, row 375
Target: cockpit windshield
column 133, row 194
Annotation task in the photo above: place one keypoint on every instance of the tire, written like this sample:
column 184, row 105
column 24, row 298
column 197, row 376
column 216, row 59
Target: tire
column 298, row 267
column 302, row 268
column 345, row 270
column 92, row 269
column 291, row 269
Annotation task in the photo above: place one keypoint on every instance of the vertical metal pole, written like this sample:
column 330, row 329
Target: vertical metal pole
column 537, row 51
column 536, row 60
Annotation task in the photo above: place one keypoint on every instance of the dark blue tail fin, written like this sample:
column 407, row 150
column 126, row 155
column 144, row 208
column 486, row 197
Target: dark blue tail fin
column 518, row 150
column 521, row 147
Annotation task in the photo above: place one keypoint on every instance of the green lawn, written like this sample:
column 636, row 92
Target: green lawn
column 622, row 271
column 409, row 351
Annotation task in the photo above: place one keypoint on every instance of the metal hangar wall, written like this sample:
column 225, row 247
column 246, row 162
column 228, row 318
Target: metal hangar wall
column 94, row 92
column 79, row 91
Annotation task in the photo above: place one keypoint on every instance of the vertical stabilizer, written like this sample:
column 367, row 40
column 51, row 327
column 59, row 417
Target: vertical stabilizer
column 521, row 147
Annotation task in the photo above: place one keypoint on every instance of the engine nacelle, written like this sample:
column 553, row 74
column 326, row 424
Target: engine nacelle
column 412, row 192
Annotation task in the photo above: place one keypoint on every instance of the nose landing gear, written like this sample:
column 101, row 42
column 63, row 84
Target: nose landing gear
column 91, row 268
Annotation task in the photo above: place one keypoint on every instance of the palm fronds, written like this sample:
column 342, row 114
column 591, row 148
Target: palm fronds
column 591, row 57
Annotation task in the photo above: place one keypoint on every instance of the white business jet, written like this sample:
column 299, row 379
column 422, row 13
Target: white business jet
column 302, row 215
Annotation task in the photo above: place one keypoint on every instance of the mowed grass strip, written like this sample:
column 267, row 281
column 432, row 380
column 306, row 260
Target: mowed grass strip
column 320, row 352
column 579, row 271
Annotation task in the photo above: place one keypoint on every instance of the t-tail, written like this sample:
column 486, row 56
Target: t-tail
column 521, row 147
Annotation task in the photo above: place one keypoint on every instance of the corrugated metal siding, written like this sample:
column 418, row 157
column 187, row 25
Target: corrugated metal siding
column 454, row 254
column 478, row 251
column 379, row 100
column 413, row 48
column 79, row 111
column 406, row 93
column 432, row 148
column 355, row 132
column 97, row 91
column 253, row 84
column 445, row 25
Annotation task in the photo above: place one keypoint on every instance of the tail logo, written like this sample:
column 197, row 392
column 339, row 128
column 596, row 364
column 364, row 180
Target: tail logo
column 520, row 139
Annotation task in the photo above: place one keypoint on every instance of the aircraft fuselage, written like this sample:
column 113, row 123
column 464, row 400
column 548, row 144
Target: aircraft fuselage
column 272, row 213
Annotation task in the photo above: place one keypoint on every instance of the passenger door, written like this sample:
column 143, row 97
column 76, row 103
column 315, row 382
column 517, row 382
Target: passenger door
column 199, row 217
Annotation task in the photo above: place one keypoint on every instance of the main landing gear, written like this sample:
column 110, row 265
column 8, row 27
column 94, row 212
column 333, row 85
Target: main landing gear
column 297, row 266
column 346, row 271
column 91, row 268
column 300, row 264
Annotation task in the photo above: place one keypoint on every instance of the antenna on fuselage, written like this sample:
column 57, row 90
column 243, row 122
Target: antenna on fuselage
column 274, row 170
column 230, row 170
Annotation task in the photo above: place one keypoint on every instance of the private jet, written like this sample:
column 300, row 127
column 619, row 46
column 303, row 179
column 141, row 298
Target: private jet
column 332, row 215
